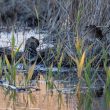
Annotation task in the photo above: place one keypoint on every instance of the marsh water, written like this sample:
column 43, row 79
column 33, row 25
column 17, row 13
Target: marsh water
column 62, row 97
column 46, row 99
column 21, row 37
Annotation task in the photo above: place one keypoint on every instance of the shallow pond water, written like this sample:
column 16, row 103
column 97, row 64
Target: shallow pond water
column 40, row 100
column 43, row 99
column 46, row 99
column 21, row 37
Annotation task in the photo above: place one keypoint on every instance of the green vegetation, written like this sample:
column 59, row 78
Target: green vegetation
column 65, row 20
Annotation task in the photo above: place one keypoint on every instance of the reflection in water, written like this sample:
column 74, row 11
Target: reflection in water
column 40, row 100
column 46, row 99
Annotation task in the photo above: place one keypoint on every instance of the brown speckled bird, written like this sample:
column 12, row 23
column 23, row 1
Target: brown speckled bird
column 94, row 32
column 30, row 47
column 31, row 44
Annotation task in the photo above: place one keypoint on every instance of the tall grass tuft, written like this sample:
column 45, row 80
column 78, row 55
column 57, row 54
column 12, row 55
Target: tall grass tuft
column 11, row 69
